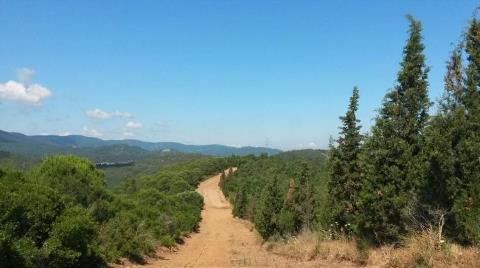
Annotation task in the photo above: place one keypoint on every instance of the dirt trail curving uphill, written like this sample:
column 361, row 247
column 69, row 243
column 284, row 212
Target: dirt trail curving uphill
column 222, row 241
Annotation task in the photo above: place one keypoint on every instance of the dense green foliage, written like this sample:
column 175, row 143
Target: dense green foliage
column 268, row 209
column 281, row 194
column 60, row 213
column 392, row 152
column 344, row 168
column 453, row 145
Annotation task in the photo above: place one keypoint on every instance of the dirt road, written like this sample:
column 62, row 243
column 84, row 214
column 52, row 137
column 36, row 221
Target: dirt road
column 222, row 240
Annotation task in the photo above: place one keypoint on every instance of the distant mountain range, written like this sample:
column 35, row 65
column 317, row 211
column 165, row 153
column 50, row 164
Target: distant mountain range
column 98, row 149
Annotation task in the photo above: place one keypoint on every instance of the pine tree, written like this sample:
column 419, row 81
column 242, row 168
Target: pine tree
column 344, row 166
column 266, row 217
column 389, row 196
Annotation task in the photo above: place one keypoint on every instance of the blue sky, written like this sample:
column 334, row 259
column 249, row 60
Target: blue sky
column 202, row 72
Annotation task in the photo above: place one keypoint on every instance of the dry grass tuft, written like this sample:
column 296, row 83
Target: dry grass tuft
column 338, row 251
column 421, row 250
column 465, row 257
column 309, row 246
column 424, row 250
column 302, row 248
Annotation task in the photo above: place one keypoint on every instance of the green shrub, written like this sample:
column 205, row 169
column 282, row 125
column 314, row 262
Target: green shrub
column 73, row 240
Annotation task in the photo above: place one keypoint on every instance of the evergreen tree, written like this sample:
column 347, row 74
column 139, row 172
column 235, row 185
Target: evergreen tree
column 240, row 206
column 266, row 217
column 289, row 221
column 389, row 196
column 464, row 188
column 344, row 166
column 303, row 198
column 443, row 136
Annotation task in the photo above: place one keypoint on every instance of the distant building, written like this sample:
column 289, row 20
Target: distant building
column 114, row 164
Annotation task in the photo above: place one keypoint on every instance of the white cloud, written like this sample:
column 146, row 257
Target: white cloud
column 132, row 124
column 91, row 132
column 127, row 134
column 66, row 133
column 312, row 144
column 23, row 90
column 100, row 114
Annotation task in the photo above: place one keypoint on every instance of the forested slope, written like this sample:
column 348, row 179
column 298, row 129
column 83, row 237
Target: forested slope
column 145, row 162
column 40, row 145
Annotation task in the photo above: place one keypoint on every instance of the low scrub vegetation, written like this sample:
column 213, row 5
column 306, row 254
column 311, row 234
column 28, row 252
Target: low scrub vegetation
column 60, row 213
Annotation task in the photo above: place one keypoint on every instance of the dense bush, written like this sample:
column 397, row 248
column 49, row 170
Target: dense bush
column 41, row 226
column 60, row 214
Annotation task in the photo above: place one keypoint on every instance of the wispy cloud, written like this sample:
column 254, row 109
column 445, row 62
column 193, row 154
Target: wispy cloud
column 23, row 90
column 132, row 125
column 103, row 115
column 91, row 132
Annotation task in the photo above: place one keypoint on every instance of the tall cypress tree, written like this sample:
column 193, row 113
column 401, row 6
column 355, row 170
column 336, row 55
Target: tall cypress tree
column 443, row 135
column 465, row 187
column 388, row 198
column 266, row 216
column 344, row 166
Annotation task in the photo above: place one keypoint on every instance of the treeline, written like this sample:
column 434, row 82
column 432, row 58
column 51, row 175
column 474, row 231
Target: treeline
column 414, row 170
column 60, row 213
column 280, row 194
